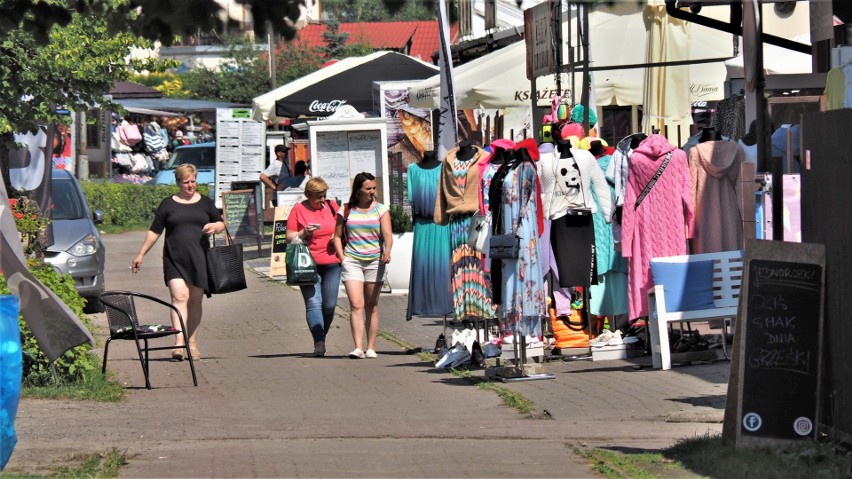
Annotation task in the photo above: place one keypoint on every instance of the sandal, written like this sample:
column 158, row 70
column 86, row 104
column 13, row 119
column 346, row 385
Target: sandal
column 177, row 354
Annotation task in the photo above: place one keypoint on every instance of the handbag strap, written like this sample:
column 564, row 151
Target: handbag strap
column 228, row 235
column 653, row 180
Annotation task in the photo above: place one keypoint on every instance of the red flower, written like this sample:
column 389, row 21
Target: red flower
column 19, row 215
column 13, row 202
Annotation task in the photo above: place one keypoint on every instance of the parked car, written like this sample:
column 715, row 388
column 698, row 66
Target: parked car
column 77, row 248
column 202, row 155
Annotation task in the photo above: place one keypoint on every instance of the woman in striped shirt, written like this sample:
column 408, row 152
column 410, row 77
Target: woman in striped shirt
column 363, row 242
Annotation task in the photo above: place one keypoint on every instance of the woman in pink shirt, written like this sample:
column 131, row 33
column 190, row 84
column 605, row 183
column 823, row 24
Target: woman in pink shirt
column 313, row 221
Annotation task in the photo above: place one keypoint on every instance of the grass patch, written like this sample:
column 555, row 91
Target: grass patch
column 95, row 387
column 510, row 398
column 104, row 465
column 708, row 456
column 636, row 466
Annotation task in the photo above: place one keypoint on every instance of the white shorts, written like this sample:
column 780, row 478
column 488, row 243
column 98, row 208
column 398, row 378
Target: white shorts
column 372, row 271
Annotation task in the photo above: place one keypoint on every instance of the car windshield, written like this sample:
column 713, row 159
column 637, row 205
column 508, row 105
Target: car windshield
column 67, row 204
column 202, row 158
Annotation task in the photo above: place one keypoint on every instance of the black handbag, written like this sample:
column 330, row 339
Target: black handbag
column 506, row 246
column 225, row 272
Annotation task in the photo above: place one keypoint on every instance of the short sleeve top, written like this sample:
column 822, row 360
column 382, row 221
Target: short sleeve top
column 320, row 244
column 363, row 232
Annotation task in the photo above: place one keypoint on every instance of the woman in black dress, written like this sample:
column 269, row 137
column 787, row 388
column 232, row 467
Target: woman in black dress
column 187, row 218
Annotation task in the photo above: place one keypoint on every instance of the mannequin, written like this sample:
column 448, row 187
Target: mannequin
column 457, row 199
column 466, row 151
column 597, row 149
column 709, row 134
column 514, row 204
column 569, row 203
column 636, row 139
column 662, row 222
column 429, row 160
column 430, row 259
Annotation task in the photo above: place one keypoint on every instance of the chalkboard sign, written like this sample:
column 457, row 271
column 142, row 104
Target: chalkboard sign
column 778, row 348
column 240, row 213
column 277, row 266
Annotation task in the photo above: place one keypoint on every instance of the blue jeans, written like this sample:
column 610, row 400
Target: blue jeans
column 321, row 299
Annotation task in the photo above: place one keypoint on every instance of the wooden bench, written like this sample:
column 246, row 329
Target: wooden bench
column 727, row 276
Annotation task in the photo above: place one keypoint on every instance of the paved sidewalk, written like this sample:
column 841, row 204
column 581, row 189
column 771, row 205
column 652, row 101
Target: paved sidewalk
column 627, row 392
column 265, row 408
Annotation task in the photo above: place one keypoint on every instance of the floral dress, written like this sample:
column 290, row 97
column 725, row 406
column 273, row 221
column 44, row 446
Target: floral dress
column 524, row 298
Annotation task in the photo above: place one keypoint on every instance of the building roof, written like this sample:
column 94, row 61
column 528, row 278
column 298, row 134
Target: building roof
column 126, row 89
column 418, row 39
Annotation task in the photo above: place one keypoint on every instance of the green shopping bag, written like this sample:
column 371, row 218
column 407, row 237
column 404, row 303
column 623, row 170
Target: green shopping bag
column 301, row 267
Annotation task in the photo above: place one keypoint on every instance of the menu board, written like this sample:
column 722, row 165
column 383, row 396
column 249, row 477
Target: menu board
column 240, row 145
column 775, row 374
column 343, row 154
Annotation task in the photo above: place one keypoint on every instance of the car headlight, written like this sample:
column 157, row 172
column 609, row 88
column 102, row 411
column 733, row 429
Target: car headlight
column 85, row 247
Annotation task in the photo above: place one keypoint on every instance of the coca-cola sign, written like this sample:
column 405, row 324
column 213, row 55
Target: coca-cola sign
column 328, row 107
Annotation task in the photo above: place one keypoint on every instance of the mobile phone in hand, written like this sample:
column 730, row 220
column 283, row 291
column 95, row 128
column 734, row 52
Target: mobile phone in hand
column 315, row 225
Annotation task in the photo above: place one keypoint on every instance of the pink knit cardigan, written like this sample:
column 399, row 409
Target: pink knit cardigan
column 664, row 219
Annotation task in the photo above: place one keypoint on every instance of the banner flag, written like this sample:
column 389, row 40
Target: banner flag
column 55, row 327
column 448, row 120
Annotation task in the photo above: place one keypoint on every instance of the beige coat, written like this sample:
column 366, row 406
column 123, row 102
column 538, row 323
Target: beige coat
column 716, row 193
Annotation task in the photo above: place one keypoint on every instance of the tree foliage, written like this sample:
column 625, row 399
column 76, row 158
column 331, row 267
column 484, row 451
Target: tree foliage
column 243, row 76
column 379, row 10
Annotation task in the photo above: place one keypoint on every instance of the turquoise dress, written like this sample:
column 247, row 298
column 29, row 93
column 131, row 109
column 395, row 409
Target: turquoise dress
column 609, row 296
column 428, row 286
column 524, row 296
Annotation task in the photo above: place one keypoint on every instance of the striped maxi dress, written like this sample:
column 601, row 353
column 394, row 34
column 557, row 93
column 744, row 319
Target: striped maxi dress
column 470, row 284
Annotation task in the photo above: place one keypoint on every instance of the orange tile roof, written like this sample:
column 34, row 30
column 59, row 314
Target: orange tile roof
column 422, row 36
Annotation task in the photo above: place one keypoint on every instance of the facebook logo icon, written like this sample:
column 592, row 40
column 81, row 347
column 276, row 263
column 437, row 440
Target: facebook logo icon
column 752, row 422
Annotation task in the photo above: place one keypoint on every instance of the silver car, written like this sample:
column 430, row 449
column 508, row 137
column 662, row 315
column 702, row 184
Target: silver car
column 77, row 248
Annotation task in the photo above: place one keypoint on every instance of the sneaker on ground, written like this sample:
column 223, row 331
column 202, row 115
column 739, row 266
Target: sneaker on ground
column 371, row 354
column 453, row 356
column 357, row 354
column 319, row 348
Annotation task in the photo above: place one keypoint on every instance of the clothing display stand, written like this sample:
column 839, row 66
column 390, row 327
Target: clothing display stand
column 521, row 369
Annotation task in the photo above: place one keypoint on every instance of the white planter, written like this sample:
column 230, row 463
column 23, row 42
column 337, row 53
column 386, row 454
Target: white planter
column 399, row 269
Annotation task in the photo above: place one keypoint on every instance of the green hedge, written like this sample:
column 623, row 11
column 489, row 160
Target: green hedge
column 127, row 204
column 74, row 365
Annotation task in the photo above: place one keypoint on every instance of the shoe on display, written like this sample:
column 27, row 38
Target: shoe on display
column 319, row 348
column 357, row 354
column 602, row 338
column 492, row 350
column 477, row 358
column 615, row 340
column 456, row 355
column 370, row 354
column 440, row 343
column 461, row 358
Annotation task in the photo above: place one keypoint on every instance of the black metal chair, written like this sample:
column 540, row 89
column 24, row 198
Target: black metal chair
column 124, row 325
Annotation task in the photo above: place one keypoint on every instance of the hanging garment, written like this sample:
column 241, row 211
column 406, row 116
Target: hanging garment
column 658, row 227
column 524, row 298
column 454, row 206
column 609, row 296
column 567, row 185
column 428, row 287
column 716, row 189
column 729, row 120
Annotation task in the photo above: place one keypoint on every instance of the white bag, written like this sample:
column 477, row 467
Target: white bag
column 479, row 234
